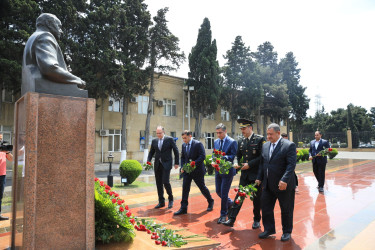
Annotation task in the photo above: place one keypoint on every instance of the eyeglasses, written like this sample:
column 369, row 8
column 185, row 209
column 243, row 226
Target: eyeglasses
column 219, row 132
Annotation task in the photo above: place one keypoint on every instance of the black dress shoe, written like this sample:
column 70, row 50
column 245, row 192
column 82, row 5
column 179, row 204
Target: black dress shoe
column 160, row 205
column 265, row 234
column 222, row 219
column 228, row 223
column 3, row 218
column 210, row 206
column 321, row 190
column 181, row 211
column 256, row 224
column 285, row 237
column 170, row 204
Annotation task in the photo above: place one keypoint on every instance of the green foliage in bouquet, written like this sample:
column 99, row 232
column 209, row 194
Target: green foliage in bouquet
column 207, row 163
column 112, row 222
column 130, row 169
column 332, row 154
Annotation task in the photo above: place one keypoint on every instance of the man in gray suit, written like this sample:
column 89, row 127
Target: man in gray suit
column 276, row 173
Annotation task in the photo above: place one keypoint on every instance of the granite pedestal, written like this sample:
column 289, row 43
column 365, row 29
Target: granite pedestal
column 53, row 175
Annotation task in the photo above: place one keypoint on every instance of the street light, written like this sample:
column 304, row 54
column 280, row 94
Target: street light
column 110, row 176
column 191, row 88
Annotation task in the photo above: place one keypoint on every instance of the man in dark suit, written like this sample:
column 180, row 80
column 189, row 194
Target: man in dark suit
column 193, row 150
column 319, row 162
column 225, row 144
column 162, row 148
column 276, row 172
column 249, row 150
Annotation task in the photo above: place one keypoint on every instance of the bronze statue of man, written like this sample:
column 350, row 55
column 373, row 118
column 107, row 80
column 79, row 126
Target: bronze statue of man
column 43, row 68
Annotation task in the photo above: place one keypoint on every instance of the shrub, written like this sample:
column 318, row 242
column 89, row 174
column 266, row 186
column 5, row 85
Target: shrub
column 300, row 144
column 343, row 145
column 335, row 145
column 299, row 155
column 333, row 153
column 207, row 163
column 130, row 169
column 305, row 156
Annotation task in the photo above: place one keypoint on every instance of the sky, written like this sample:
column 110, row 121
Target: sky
column 333, row 41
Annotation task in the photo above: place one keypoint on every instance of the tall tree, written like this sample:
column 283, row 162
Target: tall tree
column 204, row 76
column 372, row 115
column 241, row 91
column 165, row 56
column 298, row 101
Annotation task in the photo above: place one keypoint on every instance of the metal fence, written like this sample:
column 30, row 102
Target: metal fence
column 363, row 139
column 336, row 139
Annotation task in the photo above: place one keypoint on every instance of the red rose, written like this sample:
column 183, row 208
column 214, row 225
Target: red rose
column 96, row 179
column 330, row 149
column 154, row 233
column 152, row 237
column 126, row 207
column 218, row 161
column 117, row 195
column 106, row 191
column 114, row 201
column 192, row 163
column 121, row 209
column 219, row 152
column 237, row 202
column 102, row 183
column 128, row 214
column 132, row 221
column 156, row 237
column 216, row 166
column 236, row 190
column 223, row 153
column 119, row 202
column 149, row 163
column 163, row 243
column 148, row 231
column 111, row 193
column 296, row 151
column 136, row 227
column 157, row 242
column 107, row 187
column 215, row 151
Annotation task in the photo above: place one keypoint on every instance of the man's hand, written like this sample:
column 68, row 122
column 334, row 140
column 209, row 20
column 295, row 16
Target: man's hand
column 182, row 170
column 282, row 185
column 310, row 158
column 236, row 166
column 245, row 166
column 176, row 166
column 258, row 182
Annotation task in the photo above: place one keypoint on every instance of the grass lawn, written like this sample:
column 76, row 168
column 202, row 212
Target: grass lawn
column 135, row 184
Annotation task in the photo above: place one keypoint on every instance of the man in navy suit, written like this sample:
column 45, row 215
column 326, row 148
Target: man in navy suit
column 162, row 148
column 319, row 162
column 193, row 150
column 276, row 172
column 225, row 144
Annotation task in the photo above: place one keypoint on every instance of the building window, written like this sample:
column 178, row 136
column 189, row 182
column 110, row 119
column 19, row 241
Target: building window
column 114, row 140
column 142, row 104
column 170, row 108
column 115, row 105
column 224, row 115
column 7, row 133
column 7, row 95
column 210, row 117
column 282, row 123
column 209, row 137
column 173, row 134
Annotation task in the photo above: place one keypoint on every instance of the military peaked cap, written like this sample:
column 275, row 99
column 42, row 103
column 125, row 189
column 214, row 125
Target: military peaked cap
column 244, row 122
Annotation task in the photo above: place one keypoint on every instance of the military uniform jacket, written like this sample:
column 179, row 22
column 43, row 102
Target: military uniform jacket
column 251, row 152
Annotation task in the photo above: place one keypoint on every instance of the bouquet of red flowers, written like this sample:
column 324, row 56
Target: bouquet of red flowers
column 324, row 152
column 243, row 192
column 189, row 167
column 148, row 166
column 219, row 163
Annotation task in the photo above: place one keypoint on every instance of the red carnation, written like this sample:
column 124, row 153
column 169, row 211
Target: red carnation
column 154, row 233
column 216, row 166
column 152, row 237
column 296, row 151
column 192, row 163
column 110, row 193
column 114, row 201
column 219, row 152
column 128, row 214
column 149, row 163
column 217, row 161
column 106, row 191
column 223, row 153
column 121, row 209
column 156, row 237
column 117, row 195
column 102, row 183
column 330, row 149
column 236, row 190
column 215, row 151
column 136, row 227
column 96, row 179
column 148, row 231
column 107, row 187
column 132, row 221
column 163, row 243
column 237, row 202
column 126, row 207
column 157, row 242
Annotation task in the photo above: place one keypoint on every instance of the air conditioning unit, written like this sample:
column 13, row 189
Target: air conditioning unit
column 160, row 103
column 133, row 99
column 104, row 132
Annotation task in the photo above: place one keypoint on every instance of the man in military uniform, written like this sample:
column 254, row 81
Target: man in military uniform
column 249, row 150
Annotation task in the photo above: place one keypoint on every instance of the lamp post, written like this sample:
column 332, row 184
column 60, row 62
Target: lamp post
column 191, row 88
column 110, row 176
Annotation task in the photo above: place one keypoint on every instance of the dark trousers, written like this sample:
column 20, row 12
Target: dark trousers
column 286, row 202
column 198, row 176
column 2, row 187
column 256, row 202
column 319, row 169
column 222, row 184
column 162, row 179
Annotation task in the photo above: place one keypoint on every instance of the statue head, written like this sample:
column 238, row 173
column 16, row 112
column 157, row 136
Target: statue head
column 51, row 23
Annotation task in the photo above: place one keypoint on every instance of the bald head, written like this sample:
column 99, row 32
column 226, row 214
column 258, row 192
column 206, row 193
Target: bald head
column 51, row 23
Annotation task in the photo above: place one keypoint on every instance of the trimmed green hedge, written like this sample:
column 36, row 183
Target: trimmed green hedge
column 130, row 169
column 333, row 153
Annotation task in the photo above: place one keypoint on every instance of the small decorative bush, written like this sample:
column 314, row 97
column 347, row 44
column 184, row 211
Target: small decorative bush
column 335, row 145
column 305, row 156
column 130, row 169
column 207, row 163
column 343, row 145
column 299, row 155
column 332, row 154
column 300, row 144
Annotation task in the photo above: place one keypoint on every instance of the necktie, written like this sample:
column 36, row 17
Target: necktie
column 187, row 149
column 160, row 144
column 221, row 145
column 272, row 149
